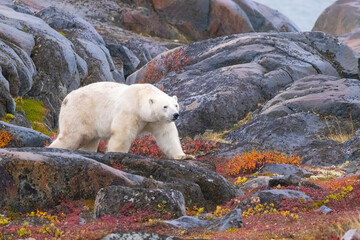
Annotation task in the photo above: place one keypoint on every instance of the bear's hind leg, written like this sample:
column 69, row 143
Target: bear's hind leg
column 90, row 146
column 66, row 142
column 124, row 132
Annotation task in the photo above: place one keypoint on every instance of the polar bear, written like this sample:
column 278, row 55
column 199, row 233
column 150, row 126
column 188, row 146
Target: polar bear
column 118, row 113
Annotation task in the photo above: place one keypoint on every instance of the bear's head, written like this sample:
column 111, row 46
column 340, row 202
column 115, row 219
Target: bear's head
column 164, row 108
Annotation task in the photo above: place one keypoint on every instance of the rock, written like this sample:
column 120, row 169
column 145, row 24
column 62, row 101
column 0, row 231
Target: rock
column 78, row 56
column 253, row 68
column 352, row 234
column 7, row 103
column 341, row 19
column 138, row 236
column 324, row 209
column 22, row 8
column 214, row 188
column 231, row 220
column 72, row 175
column 291, row 180
column 113, row 200
column 320, row 94
column 39, row 179
column 286, row 134
column 17, row 66
column 284, row 169
column 256, row 182
column 306, row 118
column 21, row 120
column 276, row 196
column 187, row 222
column 325, row 152
column 131, row 51
column 352, row 39
column 26, row 34
column 175, row 19
column 204, row 19
column 88, row 44
column 24, row 137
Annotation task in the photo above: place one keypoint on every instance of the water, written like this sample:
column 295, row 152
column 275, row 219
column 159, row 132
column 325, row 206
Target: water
column 303, row 13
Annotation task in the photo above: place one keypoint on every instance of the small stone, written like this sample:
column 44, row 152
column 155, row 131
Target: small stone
column 324, row 209
column 352, row 234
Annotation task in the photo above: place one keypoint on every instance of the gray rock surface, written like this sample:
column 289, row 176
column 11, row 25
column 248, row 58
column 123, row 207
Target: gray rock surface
column 231, row 220
column 306, row 118
column 78, row 56
column 89, row 45
column 291, row 180
column 113, row 200
column 324, row 209
column 256, row 182
column 80, row 175
column 178, row 19
column 24, row 137
column 39, row 180
column 342, row 19
column 276, row 196
column 284, row 169
column 200, row 186
column 219, row 81
column 131, row 51
column 352, row 234
column 138, row 236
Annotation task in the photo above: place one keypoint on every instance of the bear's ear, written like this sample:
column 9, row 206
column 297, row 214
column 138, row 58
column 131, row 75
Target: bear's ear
column 151, row 101
column 175, row 97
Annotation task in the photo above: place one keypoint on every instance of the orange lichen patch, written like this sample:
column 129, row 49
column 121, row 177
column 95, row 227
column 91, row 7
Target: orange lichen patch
column 171, row 62
column 5, row 138
column 251, row 161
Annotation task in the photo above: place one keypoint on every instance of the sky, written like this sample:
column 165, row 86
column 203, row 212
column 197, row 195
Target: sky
column 303, row 13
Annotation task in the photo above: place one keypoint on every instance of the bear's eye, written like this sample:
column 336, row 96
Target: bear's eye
column 176, row 105
column 165, row 107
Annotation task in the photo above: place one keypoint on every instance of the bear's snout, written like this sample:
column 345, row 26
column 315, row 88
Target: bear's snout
column 175, row 116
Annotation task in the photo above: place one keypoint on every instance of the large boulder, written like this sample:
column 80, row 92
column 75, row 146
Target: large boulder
column 137, row 236
column 87, row 42
column 129, row 50
column 183, row 20
column 307, row 118
column 114, row 200
column 46, row 59
column 342, row 19
column 39, row 180
column 284, row 169
column 339, row 18
column 276, row 196
column 186, row 178
column 231, row 220
column 23, row 137
column 33, row 178
column 219, row 81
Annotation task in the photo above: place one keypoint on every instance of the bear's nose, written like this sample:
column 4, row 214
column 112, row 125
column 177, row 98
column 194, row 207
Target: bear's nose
column 176, row 116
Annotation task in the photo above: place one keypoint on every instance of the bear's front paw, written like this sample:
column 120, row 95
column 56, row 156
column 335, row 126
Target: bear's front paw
column 186, row 157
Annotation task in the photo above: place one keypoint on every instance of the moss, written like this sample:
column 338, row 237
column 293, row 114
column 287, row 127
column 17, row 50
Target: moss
column 62, row 33
column 8, row 117
column 35, row 113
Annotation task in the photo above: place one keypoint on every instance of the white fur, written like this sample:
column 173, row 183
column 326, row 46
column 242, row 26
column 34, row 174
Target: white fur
column 118, row 113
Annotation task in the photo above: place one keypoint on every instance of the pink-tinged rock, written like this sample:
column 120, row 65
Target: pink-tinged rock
column 352, row 234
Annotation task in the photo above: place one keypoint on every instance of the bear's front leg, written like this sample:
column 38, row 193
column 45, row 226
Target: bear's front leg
column 123, row 133
column 167, row 138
